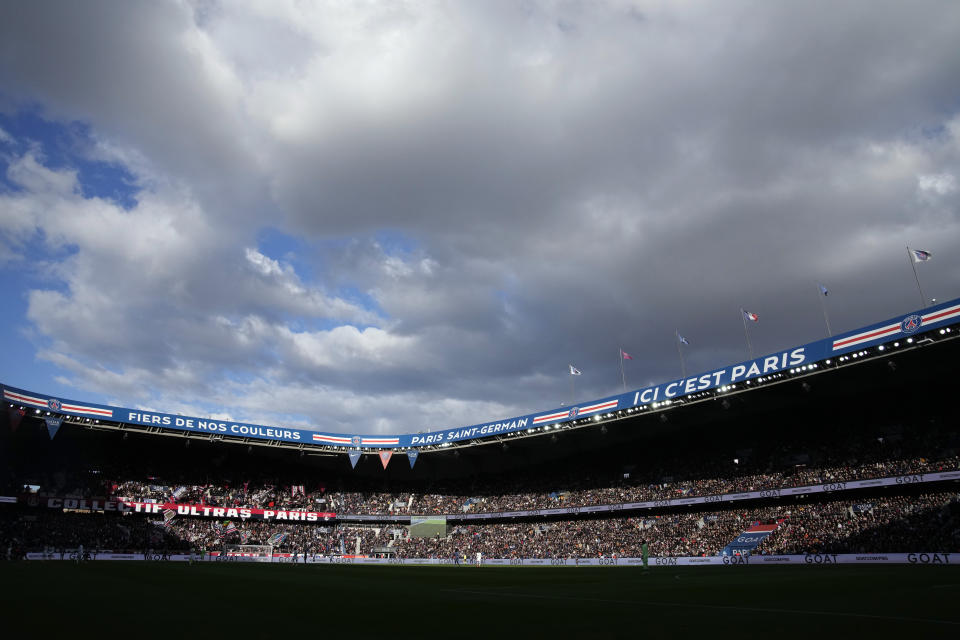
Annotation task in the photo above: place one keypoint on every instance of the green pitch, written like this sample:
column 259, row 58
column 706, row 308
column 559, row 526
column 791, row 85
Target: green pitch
column 173, row 600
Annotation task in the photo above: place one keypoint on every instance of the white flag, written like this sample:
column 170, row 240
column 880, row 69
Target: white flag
column 574, row 371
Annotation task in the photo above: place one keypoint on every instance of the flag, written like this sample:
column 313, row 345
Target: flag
column 823, row 289
column 169, row 514
column 412, row 456
column 749, row 315
column 683, row 340
column 229, row 528
column 53, row 425
column 385, row 457
column 919, row 255
column 354, row 455
column 574, row 371
column 625, row 355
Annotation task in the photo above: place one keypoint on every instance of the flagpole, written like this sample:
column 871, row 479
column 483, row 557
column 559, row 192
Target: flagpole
column 743, row 316
column 683, row 368
column 623, row 376
column 913, row 265
column 823, row 304
column 571, row 388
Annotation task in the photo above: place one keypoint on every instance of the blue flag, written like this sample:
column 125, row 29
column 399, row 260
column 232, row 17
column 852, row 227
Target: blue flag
column 53, row 424
column 412, row 456
column 354, row 457
column 823, row 289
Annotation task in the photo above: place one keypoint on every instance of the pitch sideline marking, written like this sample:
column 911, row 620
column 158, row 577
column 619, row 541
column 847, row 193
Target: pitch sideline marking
column 707, row 606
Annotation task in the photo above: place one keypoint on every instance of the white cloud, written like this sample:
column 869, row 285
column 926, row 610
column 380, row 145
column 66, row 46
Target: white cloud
column 939, row 184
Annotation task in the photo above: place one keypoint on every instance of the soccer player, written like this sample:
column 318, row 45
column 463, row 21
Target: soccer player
column 645, row 552
column 479, row 558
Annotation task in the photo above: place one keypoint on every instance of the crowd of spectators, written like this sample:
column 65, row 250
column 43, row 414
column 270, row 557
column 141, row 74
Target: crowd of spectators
column 561, row 492
column 929, row 522
column 925, row 522
column 40, row 530
column 660, row 471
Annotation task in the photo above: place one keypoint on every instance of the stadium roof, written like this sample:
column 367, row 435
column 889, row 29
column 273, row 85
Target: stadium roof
column 906, row 333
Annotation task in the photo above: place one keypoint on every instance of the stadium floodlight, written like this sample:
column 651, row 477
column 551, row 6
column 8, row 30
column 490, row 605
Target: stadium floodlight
column 896, row 344
column 909, row 340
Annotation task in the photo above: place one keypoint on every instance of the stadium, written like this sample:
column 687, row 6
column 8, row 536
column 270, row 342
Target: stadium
column 536, row 319
column 841, row 452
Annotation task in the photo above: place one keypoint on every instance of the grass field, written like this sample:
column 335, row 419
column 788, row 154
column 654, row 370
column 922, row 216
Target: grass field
column 173, row 600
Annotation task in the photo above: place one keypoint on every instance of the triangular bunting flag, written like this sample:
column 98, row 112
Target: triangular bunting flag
column 354, row 457
column 16, row 415
column 53, row 425
column 412, row 456
column 385, row 457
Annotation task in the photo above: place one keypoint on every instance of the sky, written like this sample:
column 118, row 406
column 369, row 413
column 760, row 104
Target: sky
column 391, row 217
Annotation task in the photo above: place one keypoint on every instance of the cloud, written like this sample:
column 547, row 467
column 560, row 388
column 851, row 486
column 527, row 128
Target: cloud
column 480, row 193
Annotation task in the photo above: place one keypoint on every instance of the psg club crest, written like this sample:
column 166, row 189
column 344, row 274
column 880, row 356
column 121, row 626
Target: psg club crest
column 573, row 412
column 54, row 404
column 910, row 324
column 356, row 441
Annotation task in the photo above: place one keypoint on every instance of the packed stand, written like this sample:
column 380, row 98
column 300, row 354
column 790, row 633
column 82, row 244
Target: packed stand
column 926, row 522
